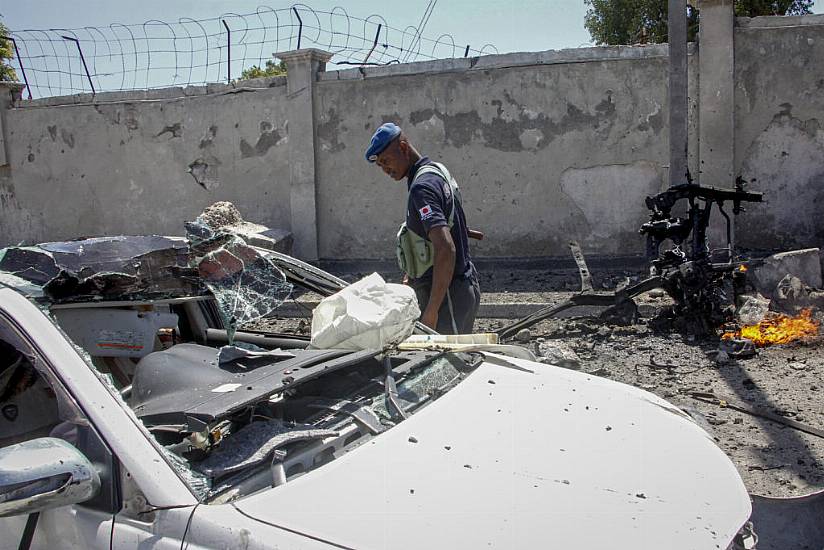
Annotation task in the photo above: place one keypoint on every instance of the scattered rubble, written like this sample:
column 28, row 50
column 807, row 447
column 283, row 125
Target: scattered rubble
column 752, row 309
column 225, row 216
column 523, row 336
column 557, row 353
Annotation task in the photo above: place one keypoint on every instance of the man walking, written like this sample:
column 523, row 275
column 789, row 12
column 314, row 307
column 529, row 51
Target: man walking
column 432, row 245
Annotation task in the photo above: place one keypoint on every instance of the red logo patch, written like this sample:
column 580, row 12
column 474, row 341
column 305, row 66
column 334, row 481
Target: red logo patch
column 425, row 212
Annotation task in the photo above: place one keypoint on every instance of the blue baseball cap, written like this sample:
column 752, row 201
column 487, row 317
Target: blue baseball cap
column 381, row 139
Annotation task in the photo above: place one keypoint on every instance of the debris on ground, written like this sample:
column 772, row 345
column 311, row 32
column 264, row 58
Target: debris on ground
column 556, row 352
column 752, row 309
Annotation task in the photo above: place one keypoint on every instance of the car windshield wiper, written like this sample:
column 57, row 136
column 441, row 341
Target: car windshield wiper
column 391, row 391
column 363, row 416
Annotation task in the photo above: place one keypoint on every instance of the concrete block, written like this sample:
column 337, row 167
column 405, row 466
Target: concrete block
column 557, row 353
column 804, row 264
column 279, row 240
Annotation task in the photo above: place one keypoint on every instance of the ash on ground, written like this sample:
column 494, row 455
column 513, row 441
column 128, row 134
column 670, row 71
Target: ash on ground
column 783, row 381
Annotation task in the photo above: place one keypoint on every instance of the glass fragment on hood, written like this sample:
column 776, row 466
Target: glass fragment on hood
column 245, row 283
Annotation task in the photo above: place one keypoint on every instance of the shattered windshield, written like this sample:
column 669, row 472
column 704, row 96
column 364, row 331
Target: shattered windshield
column 420, row 386
column 245, row 283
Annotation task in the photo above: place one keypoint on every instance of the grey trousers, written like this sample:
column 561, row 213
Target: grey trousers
column 460, row 306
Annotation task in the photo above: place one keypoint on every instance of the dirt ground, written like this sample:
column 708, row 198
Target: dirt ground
column 784, row 381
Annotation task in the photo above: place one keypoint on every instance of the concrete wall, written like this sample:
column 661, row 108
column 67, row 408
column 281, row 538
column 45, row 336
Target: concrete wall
column 547, row 146
column 143, row 165
column 779, row 129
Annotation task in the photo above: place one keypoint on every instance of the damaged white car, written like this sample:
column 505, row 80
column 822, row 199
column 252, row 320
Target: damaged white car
column 144, row 433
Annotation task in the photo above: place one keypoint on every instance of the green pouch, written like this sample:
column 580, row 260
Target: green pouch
column 414, row 253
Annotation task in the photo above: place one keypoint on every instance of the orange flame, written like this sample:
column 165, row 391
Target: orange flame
column 778, row 329
column 743, row 268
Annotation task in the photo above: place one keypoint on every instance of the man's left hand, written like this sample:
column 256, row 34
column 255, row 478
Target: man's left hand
column 430, row 318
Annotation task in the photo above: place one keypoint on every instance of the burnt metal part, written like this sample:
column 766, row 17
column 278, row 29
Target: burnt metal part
column 695, row 282
column 737, row 347
column 612, row 300
column 663, row 226
column 163, row 391
column 583, row 270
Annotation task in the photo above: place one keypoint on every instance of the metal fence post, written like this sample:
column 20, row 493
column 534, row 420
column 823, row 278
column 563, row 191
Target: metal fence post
column 83, row 59
column 19, row 61
column 228, row 51
column 375, row 43
column 300, row 25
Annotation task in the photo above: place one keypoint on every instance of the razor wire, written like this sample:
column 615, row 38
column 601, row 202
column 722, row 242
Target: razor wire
column 190, row 52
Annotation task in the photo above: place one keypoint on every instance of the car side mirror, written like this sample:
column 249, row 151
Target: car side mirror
column 44, row 473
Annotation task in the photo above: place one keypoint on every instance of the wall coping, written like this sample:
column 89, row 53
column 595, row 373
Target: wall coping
column 507, row 60
column 157, row 94
column 776, row 21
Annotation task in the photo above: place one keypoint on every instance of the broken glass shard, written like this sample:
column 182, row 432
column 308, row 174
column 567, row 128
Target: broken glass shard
column 245, row 283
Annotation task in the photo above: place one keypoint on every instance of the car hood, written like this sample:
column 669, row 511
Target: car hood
column 519, row 459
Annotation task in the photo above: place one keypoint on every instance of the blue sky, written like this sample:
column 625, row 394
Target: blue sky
column 527, row 25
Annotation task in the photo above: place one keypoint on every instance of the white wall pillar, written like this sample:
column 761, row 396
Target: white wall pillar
column 678, row 83
column 716, row 123
column 303, row 67
column 9, row 93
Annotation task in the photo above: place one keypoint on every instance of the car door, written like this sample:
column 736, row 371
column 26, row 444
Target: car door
column 35, row 404
column 82, row 410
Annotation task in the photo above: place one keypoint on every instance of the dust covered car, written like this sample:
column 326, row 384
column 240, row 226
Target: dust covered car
column 136, row 413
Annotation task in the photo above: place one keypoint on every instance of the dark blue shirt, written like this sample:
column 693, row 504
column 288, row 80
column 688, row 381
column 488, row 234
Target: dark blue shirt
column 429, row 204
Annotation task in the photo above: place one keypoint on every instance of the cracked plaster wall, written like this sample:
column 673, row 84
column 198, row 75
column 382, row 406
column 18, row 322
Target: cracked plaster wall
column 543, row 154
column 779, row 121
column 144, row 166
